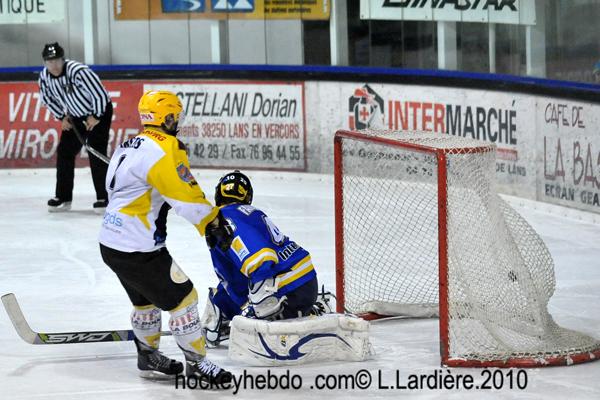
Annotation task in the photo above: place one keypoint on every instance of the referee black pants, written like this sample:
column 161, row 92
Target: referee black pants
column 68, row 148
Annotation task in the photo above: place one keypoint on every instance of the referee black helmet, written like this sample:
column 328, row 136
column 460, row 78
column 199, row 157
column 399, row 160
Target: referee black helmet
column 52, row 51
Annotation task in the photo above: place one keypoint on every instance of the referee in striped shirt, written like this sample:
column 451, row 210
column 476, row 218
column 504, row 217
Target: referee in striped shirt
column 75, row 95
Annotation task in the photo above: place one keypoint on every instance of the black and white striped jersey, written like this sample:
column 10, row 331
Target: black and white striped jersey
column 77, row 91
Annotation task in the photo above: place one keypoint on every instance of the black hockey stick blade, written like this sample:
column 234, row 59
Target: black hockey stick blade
column 84, row 142
column 30, row 336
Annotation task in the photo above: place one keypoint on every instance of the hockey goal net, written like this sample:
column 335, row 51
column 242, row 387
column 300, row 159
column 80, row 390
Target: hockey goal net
column 421, row 231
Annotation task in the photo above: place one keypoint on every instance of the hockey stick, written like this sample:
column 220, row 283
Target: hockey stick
column 84, row 142
column 30, row 336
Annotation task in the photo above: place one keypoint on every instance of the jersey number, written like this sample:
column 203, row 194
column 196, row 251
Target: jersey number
column 112, row 181
column 276, row 236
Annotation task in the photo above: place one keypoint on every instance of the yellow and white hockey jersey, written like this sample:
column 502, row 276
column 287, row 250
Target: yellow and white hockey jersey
column 147, row 175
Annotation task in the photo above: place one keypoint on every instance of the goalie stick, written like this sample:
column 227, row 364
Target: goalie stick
column 84, row 142
column 30, row 336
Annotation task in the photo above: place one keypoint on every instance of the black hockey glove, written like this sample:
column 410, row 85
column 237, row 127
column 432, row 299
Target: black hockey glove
column 219, row 233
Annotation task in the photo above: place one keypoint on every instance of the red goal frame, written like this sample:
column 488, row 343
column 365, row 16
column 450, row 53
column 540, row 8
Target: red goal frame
column 442, row 199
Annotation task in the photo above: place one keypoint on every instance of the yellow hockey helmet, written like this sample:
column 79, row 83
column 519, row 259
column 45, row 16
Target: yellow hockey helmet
column 156, row 105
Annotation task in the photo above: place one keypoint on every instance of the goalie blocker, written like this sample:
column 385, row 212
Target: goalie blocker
column 328, row 337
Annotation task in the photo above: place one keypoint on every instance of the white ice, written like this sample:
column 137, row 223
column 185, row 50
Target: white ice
column 52, row 263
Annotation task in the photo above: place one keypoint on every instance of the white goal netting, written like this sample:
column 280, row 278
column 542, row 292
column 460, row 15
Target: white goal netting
column 499, row 274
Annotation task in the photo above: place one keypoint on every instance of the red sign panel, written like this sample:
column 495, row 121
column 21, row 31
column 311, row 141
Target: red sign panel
column 29, row 134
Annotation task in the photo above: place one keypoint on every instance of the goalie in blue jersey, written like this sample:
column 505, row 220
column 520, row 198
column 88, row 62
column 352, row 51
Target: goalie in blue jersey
column 263, row 274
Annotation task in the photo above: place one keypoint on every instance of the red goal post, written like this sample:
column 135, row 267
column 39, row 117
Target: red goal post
column 427, row 199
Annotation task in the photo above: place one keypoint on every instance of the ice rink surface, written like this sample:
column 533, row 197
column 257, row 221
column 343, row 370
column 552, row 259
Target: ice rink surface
column 52, row 263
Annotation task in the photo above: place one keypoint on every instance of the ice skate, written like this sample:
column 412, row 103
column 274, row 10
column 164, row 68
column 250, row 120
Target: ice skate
column 100, row 206
column 155, row 365
column 57, row 205
column 208, row 372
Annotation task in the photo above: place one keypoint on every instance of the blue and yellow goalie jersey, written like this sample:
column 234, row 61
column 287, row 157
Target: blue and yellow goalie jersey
column 259, row 251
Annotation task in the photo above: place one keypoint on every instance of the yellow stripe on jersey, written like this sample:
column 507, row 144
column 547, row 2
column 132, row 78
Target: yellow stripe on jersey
column 140, row 208
column 206, row 220
column 164, row 140
column 300, row 269
column 257, row 259
column 166, row 179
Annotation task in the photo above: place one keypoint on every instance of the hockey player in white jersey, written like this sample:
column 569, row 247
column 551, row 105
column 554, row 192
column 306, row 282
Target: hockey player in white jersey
column 148, row 175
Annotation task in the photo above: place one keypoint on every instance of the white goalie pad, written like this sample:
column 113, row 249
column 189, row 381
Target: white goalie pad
column 298, row 341
column 215, row 328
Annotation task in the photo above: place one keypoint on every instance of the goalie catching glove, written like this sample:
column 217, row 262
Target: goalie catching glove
column 219, row 233
column 263, row 300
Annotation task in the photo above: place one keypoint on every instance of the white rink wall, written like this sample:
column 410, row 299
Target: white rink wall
column 548, row 148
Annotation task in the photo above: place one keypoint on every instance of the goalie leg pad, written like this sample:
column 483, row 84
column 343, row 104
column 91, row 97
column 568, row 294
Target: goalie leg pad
column 215, row 324
column 186, row 328
column 146, row 323
column 299, row 341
